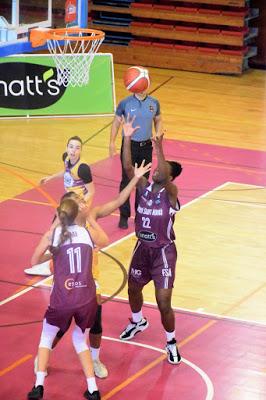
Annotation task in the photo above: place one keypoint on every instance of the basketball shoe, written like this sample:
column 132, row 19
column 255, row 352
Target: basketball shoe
column 173, row 355
column 133, row 328
column 36, row 393
column 100, row 369
column 92, row 396
column 42, row 269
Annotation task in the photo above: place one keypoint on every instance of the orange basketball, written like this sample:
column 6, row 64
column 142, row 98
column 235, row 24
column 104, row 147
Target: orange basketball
column 137, row 79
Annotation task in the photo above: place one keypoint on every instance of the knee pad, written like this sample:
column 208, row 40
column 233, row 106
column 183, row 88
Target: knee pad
column 79, row 339
column 48, row 334
column 97, row 326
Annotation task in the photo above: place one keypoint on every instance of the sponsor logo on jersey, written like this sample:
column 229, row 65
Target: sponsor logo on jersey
column 72, row 284
column 147, row 236
column 68, row 180
column 136, row 272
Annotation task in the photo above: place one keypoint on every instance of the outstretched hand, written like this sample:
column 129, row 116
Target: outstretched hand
column 142, row 169
column 128, row 126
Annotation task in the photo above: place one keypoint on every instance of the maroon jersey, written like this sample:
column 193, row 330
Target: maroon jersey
column 73, row 282
column 155, row 217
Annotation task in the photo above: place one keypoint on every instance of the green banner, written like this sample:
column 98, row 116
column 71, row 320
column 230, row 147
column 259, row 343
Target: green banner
column 28, row 87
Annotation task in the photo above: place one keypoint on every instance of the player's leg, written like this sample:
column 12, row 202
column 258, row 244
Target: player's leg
column 163, row 275
column 138, row 277
column 47, row 337
column 84, row 318
column 95, row 336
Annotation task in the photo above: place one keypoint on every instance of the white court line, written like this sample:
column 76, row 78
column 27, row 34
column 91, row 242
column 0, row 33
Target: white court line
column 43, row 281
column 198, row 313
column 204, row 376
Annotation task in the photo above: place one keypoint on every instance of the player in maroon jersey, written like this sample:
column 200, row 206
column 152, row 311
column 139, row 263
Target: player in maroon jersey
column 74, row 292
column 154, row 256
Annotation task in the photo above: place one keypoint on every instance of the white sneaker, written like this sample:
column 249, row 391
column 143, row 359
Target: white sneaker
column 100, row 369
column 133, row 328
column 42, row 269
column 173, row 355
column 36, row 366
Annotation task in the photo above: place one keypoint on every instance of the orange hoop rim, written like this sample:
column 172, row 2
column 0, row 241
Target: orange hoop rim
column 62, row 34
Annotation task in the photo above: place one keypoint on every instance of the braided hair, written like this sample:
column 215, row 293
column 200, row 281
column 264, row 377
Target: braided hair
column 67, row 212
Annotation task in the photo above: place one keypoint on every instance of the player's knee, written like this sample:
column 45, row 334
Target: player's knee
column 48, row 335
column 97, row 326
column 164, row 306
column 79, row 340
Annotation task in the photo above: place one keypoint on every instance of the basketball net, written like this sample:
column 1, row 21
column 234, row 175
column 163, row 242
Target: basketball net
column 72, row 50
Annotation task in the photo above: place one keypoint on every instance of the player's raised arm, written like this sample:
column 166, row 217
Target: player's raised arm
column 162, row 164
column 108, row 208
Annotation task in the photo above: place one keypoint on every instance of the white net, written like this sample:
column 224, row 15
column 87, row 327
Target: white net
column 73, row 58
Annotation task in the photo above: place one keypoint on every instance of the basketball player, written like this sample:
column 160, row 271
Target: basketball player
column 146, row 110
column 74, row 291
column 78, row 178
column 154, row 256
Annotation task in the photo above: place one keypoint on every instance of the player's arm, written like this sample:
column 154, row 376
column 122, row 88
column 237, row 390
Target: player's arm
column 162, row 164
column 98, row 235
column 108, row 208
column 39, row 255
column 46, row 179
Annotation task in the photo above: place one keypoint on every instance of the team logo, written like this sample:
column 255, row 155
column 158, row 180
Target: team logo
column 149, row 203
column 147, row 236
column 157, row 201
column 68, row 180
column 151, row 108
column 71, row 284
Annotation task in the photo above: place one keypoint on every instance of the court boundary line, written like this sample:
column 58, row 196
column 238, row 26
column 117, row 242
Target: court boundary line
column 204, row 375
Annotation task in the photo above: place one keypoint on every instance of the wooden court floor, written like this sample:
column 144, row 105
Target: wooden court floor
column 216, row 126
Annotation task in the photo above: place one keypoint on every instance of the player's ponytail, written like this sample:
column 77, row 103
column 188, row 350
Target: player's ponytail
column 67, row 212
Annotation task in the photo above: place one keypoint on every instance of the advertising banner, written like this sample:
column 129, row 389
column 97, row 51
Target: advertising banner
column 28, row 87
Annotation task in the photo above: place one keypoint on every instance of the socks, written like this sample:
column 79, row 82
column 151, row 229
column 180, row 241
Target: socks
column 170, row 336
column 40, row 375
column 92, row 387
column 136, row 317
column 95, row 353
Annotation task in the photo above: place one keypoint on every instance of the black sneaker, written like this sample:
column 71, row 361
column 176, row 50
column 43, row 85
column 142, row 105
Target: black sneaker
column 173, row 355
column 36, row 393
column 123, row 223
column 133, row 328
column 92, row 396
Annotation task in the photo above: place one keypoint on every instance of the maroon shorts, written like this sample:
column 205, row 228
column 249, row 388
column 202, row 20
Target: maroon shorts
column 153, row 263
column 84, row 316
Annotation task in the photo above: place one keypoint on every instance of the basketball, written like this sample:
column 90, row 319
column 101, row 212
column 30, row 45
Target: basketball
column 137, row 79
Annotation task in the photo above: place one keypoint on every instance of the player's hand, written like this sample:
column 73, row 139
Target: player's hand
column 142, row 169
column 128, row 126
column 44, row 180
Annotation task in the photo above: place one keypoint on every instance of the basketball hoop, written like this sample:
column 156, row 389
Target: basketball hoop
column 72, row 50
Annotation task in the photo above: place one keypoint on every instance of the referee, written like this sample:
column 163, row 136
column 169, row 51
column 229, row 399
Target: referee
column 146, row 110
